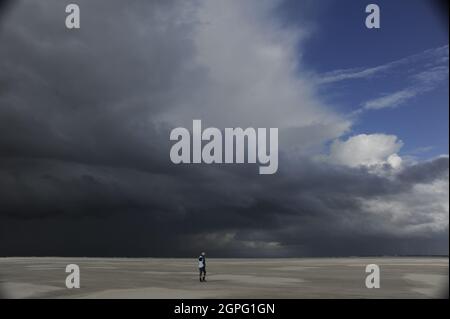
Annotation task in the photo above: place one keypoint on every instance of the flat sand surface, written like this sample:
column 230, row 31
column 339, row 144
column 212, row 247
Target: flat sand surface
column 227, row 278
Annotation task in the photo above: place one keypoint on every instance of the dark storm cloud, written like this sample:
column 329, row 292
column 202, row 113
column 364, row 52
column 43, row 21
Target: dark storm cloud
column 85, row 117
column 88, row 96
column 169, row 215
column 425, row 172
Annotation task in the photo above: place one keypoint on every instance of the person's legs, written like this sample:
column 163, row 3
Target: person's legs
column 204, row 273
column 200, row 273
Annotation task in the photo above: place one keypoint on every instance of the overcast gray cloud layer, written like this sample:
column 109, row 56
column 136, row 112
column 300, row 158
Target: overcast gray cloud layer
column 85, row 118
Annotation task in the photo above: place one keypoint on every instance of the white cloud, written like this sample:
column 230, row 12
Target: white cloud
column 350, row 74
column 425, row 81
column 392, row 100
column 394, row 161
column 424, row 209
column 249, row 76
column 435, row 72
column 430, row 67
column 366, row 150
column 430, row 57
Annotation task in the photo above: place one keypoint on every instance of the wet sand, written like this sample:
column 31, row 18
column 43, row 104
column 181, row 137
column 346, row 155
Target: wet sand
column 226, row 278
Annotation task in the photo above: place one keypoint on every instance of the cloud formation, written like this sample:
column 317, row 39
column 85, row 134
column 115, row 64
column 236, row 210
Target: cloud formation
column 431, row 57
column 423, row 82
column 367, row 150
column 430, row 69
column 84, row 149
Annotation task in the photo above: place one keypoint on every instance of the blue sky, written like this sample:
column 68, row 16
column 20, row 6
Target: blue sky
column 340, row 41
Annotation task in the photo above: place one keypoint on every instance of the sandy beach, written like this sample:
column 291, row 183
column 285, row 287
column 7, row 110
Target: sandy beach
column 226, row 278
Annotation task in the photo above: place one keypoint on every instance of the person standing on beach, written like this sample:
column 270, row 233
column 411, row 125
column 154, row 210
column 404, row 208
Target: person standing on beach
column 202, row 266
